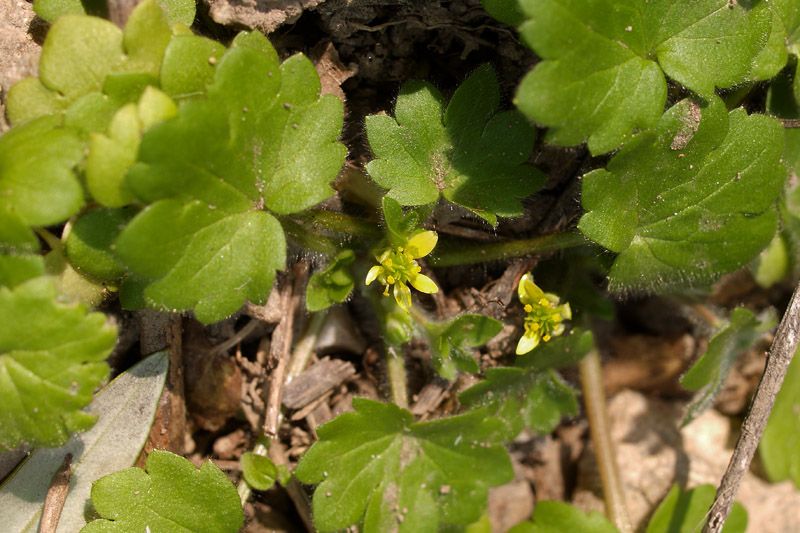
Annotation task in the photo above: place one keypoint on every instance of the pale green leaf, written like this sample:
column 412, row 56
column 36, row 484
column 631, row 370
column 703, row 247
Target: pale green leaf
column 603, row 74
column 259, row 471
column 690, row 200
column 171, row 495
column 471, row 152
column 89, row 243
column 52, row 357
column 261, row 138
column 378, row 466
column 686, row 512
column 37, row 172
column 125, row 409
column 553, row 516
column 331, row 285
column 780, row 446
column 451, row 342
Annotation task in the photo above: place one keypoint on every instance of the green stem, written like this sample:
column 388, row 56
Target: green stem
column 308, row 239
column 454, row 252
column 591, row 374
column 343, row 223
column 396, row 372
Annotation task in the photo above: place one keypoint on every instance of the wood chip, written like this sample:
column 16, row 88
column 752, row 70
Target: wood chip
column 429, row 399
column 316, row 381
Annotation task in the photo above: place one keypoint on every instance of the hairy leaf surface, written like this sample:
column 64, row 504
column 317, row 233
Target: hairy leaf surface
column 603, row 74
column 378, row 466
column 52, row 357
column 689, row 200
column 469, row 151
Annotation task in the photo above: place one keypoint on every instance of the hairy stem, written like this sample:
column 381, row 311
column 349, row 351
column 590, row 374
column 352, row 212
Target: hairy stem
column 780, row 356
column 396, row 372
column 342, row 223
column 454, row 252
column 591, row 374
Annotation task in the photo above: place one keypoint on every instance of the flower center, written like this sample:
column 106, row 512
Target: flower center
column 399, row 266
column 542, row 318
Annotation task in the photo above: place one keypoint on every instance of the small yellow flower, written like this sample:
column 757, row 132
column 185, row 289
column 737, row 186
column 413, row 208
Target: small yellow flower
column 544, row 316
column 397, row 266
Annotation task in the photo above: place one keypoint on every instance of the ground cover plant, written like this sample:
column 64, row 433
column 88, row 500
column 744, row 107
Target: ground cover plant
column 373, row 295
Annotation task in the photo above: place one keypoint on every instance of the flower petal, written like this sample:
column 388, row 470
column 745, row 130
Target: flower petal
column 558, row 330
column 422, row 244
column 527, row 342
column 528, row 291
column 423, row 283
column 402, row 295
column 373, row 274
column 566, row 311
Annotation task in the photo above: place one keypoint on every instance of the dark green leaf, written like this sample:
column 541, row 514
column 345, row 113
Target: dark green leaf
column 378, row 466
column 506, row 11
column 688, row 201
column 332, row 285
column 172, row 495
column 89, row 243
column 471, row 152
column 52, row 358
column 708, row 374
column 685, row 512
column 603, row 74
column 451, row 342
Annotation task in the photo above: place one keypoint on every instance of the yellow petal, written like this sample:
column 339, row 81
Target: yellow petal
column 402, row 295
column 423, row 283
column 566, row 311
column 558, row 330
column 527, row 343
column 528, row 291
column 373, row 274
column 422, row 244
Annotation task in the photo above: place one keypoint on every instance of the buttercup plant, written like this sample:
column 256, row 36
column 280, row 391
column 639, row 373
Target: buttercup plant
column 163, row 170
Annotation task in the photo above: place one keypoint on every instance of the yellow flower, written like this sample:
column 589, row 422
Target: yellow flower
column 397, row 266
column 543, row 315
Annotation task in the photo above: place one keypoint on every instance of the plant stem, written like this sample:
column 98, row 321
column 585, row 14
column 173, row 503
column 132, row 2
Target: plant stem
column 396, row 372
column 452, row 252
column 304, row 348
column 308, row 239
column 780, row 356
column 343, row 223
column 591, row 374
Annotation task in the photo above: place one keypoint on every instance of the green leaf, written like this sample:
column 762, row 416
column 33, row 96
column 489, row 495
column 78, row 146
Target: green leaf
column 708, row 374
column 52, row 357
column 333, row 284
column 551, row 516
column 604, row 62
column 780, row 446
column 772, row 264
column 19, row 247
column 378, row 466
column 531, row 394
column 188, row 65
column 261, row 138
column 471, row 152
column 259, row 471
column 171, row 495
column 690, row 200
column 88, row 245
column 402, row 224
column 125, row 409
column 451, row 341
column 177, row 11
column 37, row 177
column 685, row 512
column 111, row 155
column 506, row 11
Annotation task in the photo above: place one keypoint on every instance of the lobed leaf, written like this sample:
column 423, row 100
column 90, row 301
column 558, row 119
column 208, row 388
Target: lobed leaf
column 332, row 285
column 88, row 245
column 451, row 341
column 708, row 374
column 261, row 138
column 377, row 466
column 52, row 357
column 470, row 152
column 531, row 394
column 170, row 495
column 604, row 62
column 689, row 200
